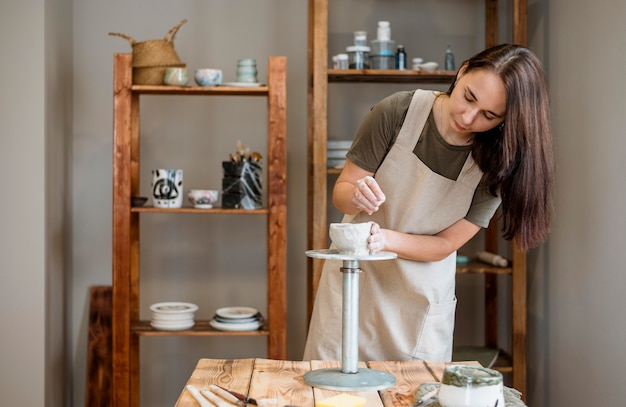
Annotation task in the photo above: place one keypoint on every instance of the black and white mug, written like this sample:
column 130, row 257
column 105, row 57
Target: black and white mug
column 167, row 188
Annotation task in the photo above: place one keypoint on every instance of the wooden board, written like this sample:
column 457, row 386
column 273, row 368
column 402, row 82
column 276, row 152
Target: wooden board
column 99, row 366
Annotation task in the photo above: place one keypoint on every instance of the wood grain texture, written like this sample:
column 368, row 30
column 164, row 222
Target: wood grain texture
column 284, row 380
column 99, row 361
column 126, row 326
column 409, row 376
column 230, row 374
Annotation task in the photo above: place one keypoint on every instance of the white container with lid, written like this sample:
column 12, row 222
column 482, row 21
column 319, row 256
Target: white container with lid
column 384, row 31
column 360, row 38
column 358, row 57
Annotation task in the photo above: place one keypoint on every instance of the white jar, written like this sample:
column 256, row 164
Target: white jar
column 470, row 386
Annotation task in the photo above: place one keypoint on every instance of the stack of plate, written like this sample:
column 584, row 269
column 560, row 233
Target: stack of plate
column 336, row 153
column 237, row 319
column 173, row 316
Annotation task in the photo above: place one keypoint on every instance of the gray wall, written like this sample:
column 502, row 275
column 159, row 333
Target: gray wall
column 23, row 248
column 35, row 143
column 55, row 152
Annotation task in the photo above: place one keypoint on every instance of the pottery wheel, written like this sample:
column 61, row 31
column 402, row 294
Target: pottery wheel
column 350, row 377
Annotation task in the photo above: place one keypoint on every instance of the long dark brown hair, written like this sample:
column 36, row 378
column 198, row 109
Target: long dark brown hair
column 516, row 157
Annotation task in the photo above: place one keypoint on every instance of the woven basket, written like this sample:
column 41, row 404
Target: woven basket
column 152, row 57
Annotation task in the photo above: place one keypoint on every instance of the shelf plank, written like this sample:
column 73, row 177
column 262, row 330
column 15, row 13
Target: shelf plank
column 201, row 328
column 478, row 267
column 390, row 76
column 200, row 90
column 184, row 209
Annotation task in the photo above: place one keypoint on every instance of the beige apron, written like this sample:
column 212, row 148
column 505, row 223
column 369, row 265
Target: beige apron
column 406, row 308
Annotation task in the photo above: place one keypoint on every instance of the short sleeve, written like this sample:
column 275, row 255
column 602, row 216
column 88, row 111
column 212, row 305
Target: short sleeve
column 484, row 206
column 379, row 130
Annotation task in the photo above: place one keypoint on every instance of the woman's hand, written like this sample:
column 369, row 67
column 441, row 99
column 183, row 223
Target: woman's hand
column 376, row 241
column 367, row 195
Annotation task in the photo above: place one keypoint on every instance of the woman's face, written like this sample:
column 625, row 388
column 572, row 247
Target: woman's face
column 478, row 102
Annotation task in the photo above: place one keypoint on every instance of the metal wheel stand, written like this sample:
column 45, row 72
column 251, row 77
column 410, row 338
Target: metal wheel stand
column 349, row 377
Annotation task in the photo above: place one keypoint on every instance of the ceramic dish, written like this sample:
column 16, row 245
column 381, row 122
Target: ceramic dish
column 172, row 327
column 242, row 84
column 138, row 200
column 169, row 318
column 236, row 312
column 173, row 307
column 221, row 326
column 339, row 144
column 337, row 154
column 336, row 163
column 255, row 318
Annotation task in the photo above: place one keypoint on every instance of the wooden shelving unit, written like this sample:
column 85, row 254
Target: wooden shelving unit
column 317, row 220
column 127, row 327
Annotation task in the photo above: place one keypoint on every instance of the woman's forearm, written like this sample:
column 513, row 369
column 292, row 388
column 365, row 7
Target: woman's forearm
column 429, row 247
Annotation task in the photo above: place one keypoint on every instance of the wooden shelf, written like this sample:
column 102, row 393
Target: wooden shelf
column 201, row 328
column 390, row 76
column 200, row 90
column 126, row 325
column 151, row 209
column 320, row 78
column 478, row 267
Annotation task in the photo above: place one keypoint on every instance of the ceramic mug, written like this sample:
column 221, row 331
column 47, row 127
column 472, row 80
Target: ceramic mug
column 351, row 238
column 167, row 188
column 246, row 70
column 471, row 386
column 208, row 77
column 175, row 76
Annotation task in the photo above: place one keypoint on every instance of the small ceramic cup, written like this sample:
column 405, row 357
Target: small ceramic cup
column 246, row 70
column 203, row 198
column 351, row 238
column 167, row 188
column 470, row 386
column 208, row 77
column 175, row 76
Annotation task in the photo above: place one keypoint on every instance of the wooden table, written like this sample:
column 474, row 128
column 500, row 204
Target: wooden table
column 282, row 379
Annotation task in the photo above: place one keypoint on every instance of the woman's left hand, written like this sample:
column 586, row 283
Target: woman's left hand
column 376, row 241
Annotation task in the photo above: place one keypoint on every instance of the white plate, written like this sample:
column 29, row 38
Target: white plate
column 168, row 318
column 186, row 322
column 236, row 312
column 173, row 307
column 172, row 327
column 242, row 84
column 220, row 326
column 339, row 144
column 255, row 318
column 335, row 163
column 336, row 154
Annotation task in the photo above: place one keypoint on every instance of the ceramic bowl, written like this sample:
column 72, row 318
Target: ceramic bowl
column 138, row 200
column 208, row 77
column 428, row 66
column 203, row 198
column 175, row 77
column 351, row 238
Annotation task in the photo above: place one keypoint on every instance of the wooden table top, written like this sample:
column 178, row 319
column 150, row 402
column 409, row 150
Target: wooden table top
column 283, row 380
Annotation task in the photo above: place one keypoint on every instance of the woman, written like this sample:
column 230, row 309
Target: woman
column 431, row 169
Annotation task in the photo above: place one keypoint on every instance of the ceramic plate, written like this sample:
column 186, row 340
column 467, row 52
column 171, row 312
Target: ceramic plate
column 169, row 318
column 255, row 318
column 339, row 144
column 221, row 326
column 242, row 84
column 173, row 307
column 236, row 312
column 172, row 327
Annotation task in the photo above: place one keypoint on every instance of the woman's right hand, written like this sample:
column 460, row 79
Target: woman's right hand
column 376, row 242
column 367, row 195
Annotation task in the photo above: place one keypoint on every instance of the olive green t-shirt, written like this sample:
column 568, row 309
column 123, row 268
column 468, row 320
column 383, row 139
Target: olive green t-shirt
column 378, row 132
